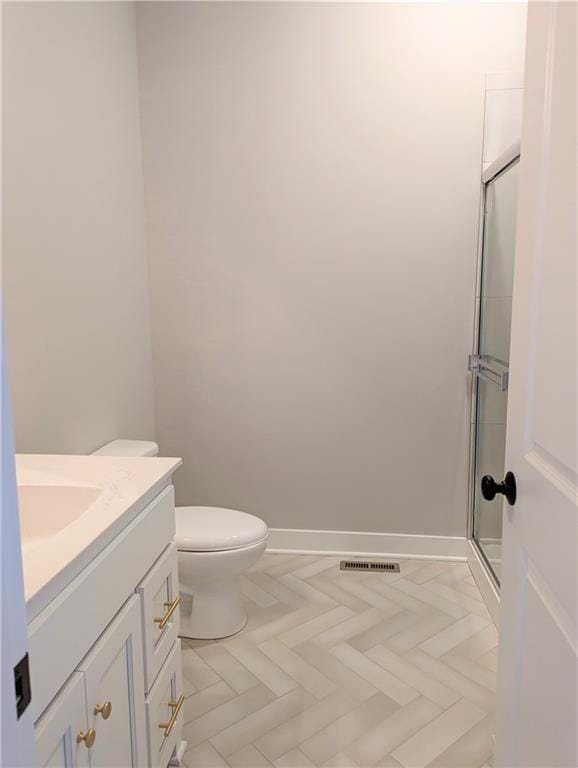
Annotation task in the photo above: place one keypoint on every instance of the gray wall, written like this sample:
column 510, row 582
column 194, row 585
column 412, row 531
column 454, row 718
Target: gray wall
column 312, row 176
column 74, row 257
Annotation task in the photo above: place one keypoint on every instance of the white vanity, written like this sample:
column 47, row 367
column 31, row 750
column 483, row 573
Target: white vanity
column 101, row 582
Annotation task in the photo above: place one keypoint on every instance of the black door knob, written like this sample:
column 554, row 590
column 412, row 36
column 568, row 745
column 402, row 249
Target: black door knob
column 508, row 487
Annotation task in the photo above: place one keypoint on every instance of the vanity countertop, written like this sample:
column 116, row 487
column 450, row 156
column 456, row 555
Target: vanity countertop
column 72, row 507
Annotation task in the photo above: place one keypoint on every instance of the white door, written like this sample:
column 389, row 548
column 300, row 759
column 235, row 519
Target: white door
column 63, row 739
column 536, row 722
column 16, row 739
column 114, row 678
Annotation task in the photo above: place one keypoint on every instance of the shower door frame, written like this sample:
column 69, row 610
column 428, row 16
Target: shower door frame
column 481, row 568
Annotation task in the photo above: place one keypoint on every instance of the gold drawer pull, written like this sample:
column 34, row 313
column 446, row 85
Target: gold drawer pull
column 88, row 737
column 170, row 610
column 176, row 707
column 103, row 709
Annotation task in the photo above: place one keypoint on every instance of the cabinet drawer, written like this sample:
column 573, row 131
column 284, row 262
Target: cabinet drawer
column 159, row 594
column 164, row 710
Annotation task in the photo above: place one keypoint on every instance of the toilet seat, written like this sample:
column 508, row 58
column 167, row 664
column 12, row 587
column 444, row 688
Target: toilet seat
column 216, row 529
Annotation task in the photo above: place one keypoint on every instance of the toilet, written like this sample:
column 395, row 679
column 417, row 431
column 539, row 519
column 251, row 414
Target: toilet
column 215, row 547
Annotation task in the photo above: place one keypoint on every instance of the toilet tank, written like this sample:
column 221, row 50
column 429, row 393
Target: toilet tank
column 128, row 448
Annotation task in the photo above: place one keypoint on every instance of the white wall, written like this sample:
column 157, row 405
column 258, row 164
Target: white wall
column 74, row 257
column 312, row 177
column 503, row 113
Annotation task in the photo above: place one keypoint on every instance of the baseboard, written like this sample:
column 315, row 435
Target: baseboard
column 484, row 583
column 353, row 543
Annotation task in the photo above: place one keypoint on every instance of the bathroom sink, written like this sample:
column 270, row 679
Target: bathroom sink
column 45, row 510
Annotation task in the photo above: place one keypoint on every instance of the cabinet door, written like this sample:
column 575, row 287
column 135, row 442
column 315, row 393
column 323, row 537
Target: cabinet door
column 114, row 678
column 59, row 728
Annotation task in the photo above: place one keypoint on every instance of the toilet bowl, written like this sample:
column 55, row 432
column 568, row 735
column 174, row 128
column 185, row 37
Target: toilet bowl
column 215, row 547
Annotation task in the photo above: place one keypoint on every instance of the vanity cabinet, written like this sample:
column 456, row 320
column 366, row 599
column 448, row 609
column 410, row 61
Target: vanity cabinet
column 119, row 704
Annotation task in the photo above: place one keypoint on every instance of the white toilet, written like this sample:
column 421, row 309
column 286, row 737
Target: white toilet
column 216, row 546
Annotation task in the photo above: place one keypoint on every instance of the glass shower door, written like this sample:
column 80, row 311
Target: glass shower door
column 491, row 363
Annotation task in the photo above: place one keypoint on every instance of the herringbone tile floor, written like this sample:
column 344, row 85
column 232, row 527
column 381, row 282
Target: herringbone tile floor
column 340, row 668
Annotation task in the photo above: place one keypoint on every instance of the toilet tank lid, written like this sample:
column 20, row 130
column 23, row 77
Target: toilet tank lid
column 128, row 448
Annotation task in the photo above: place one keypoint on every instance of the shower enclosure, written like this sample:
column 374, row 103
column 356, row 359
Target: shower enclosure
column 490, row 361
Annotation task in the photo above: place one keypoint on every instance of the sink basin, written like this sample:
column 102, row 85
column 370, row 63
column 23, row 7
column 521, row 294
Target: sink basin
column 45, row 510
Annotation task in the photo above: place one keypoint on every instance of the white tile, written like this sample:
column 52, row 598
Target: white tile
column 372, row 746
column 474, row 748
column 294, row 564
column 359, row 623
column 299, row 670
column 294, row 759
column 472, row 669
column 438, row 735
column 204, row 756
column 195, row 669
column 387, row 683
column 254, row 725
column 292, row 732
column 329, row 587
column 403, row 670
column 474, row 605
column 483, row 641
column 211, row 723
column 263, row 598
column 307, row 592
column 429, row 570
column 315, row 626
column 276, row 587
column 337, row 736
column 331, row 668
column 207, row 699
column 316, row 566
column 427, row 596
column 448, row 638
column 489, row 660
column 282, row 624
column 340, row 760
column 269, row 674
column 371, row 597
column 383, row 631
column 228, row 668
column 449, row 677
column 345, row 679
column 396, row 596
column 248, row 757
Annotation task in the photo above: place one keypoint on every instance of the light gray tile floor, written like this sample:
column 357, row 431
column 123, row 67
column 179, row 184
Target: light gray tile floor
column 346, row 669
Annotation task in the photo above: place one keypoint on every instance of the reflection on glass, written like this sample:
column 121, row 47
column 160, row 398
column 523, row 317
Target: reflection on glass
column 494, row 341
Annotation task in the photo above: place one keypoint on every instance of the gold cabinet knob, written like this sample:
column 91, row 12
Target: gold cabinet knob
column 104, row 710
column 88, row 737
